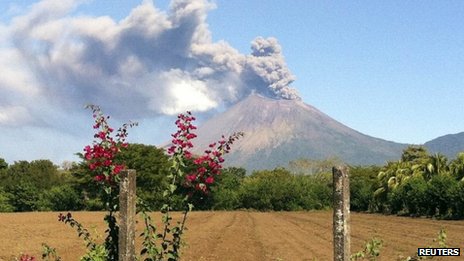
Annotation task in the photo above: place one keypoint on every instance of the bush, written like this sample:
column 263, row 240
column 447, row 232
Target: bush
column 457, row 204
column 24, row 197
column 280, row 190
column 439, row 195
column 414, row 196
column 363, row 183
column 225, row 193
column 62, row 198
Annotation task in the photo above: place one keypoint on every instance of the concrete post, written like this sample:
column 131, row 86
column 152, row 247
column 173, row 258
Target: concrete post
column 341, row 214
column 127, row 215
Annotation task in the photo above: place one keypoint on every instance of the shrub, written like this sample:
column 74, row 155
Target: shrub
column 439, row 195
column 61, row 198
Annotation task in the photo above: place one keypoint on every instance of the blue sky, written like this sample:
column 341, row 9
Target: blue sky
column 389, row 69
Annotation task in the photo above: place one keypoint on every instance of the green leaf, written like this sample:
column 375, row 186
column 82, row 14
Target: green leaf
column 172, row 188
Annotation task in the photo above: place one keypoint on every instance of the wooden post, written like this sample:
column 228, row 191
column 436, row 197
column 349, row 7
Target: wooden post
column 341, row 214
column 127, row 215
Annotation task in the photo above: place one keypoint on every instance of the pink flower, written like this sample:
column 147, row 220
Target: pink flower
column 191, row 177
column 201, row 170
column 88, row 156
column 209, row 180
column 92, row 166
column 107, row 163
column 191, row 136
column 25, row 257
column 117, row 169
column 102, row 135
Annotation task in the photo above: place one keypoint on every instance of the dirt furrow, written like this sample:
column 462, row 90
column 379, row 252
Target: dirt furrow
column 239, row 235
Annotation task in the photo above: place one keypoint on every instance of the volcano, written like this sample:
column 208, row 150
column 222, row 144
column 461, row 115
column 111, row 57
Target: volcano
column 278, row 131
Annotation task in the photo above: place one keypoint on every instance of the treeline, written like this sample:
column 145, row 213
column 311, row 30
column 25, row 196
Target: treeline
column 418, row 184
column 41, row 186
column 36, row 185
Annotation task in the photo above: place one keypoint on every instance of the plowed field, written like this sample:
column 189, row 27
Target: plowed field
column 240, row 235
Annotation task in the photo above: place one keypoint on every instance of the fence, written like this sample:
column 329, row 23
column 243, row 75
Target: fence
column 341, row 215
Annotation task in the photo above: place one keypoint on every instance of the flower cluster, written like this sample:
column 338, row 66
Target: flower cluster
column 25, row 257
column 181, row 142
column 207, row 166
column 64, row 218
column 101, row 154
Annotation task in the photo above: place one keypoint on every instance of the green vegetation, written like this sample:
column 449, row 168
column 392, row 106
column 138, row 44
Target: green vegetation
column 418, row 184
column 280, row 190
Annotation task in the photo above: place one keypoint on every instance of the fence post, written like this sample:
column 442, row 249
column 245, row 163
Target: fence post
column 127, row 215
column 341, row 213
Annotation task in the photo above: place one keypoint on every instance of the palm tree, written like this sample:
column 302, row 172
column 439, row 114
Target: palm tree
column 457, row 167
column 436, row 165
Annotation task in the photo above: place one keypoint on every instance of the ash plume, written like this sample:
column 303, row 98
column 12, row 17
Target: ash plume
column 150, row 63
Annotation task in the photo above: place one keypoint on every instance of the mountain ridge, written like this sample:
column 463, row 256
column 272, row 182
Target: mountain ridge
column 448, row 145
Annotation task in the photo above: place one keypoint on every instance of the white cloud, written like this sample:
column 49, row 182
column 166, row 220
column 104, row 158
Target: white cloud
column 14, row 116
column 188, row 94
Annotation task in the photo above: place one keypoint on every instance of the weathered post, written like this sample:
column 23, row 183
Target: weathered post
column 341, row 214
column 127, row 215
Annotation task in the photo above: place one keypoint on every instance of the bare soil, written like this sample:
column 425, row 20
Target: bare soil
column 239, row 235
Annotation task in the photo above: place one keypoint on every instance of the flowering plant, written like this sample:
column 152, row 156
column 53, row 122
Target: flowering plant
column 100, row 160
column 192, row 180
column 100, row 156
column 189, row 175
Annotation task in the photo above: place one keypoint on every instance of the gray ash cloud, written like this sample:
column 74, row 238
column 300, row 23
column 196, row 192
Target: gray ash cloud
column 150, row 63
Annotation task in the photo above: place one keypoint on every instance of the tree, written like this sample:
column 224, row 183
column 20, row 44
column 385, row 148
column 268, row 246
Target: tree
column 43, row 174
column 439, row 195
column 24, row 197
column 5, row 198
column 363, row 183
column 3, row 164
column 62, row 198
column 267, row 190
column 225, row 192
column 457, row 167
column 152, row 168
column 86, row 188
column 414, row 154
column 437, row 165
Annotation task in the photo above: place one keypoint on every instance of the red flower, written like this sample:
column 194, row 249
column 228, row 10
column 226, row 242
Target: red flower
column 101, row 135
column 100, row 156
column 205, row 166
column 107, row 163
column 25, row 257
column 209, row 180
column 191, row 136
column 117, row 169
column 92, row 166
column 191, row 177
